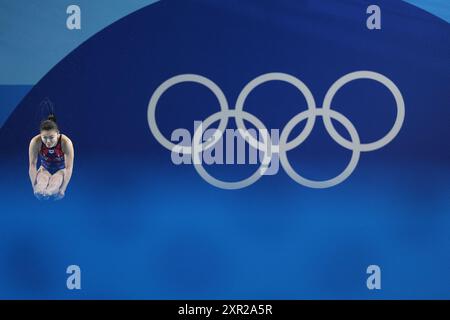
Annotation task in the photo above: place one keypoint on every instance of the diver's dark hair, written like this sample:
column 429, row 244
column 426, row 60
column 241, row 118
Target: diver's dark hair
column 48, row 107
column 49, row 124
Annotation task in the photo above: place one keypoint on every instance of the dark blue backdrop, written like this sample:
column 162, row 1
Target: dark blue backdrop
column 141, row 227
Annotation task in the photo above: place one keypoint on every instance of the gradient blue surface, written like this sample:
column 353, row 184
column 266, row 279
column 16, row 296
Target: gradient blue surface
column 141, row 227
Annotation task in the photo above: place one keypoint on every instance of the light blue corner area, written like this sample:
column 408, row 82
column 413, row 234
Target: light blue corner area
column 34, row 36
column 439, row 8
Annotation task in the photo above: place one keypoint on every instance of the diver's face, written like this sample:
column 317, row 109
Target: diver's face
column 49, row 138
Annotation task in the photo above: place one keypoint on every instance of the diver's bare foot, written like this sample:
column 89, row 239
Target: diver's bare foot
column 59, row 195
column 40, row 196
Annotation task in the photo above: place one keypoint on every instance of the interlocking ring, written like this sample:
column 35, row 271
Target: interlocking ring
column 196, row 141
column 365, row 75
column 310, row 114
column 276, row 76
column 356, row 146
column 151, row 110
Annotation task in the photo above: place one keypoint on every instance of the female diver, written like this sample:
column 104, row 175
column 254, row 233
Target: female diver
column 56, row 154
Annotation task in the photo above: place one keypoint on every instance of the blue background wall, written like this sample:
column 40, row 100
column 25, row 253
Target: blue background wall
column 141, row 227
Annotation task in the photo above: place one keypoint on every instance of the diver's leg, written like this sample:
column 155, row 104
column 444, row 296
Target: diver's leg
column 55, row 183
column 42, row 180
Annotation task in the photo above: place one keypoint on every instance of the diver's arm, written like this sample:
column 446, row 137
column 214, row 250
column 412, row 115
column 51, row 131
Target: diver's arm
column 69, row 154
column 33, row 151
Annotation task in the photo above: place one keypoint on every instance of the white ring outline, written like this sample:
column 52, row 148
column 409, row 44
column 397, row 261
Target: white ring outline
column 151, row 117
column 324, row 183
column 400, row 103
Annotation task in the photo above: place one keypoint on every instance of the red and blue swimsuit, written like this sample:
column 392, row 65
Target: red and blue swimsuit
column 52, row 159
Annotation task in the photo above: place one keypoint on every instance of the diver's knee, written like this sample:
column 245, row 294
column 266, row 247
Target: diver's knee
column 42, row 178
column 40, row 186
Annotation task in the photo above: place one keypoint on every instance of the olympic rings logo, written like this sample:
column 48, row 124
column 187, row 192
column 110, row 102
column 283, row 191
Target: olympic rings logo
column 310, row 115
